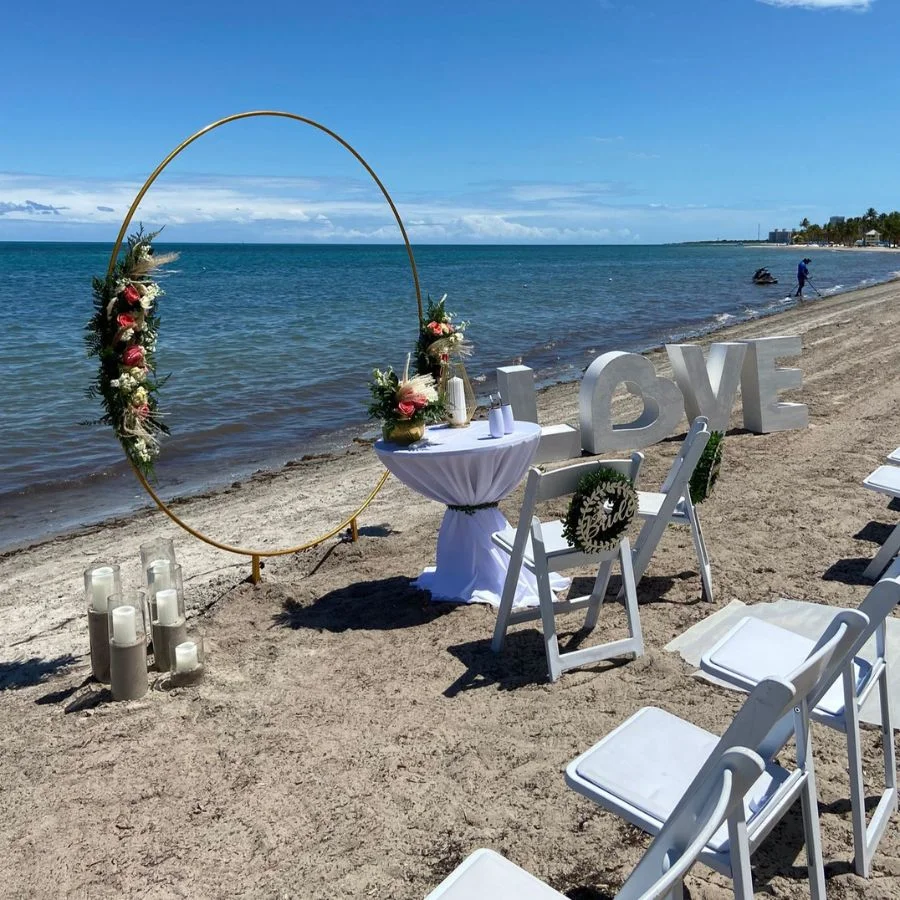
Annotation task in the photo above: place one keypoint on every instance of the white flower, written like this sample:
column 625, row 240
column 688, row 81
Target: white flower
column 114, row 383
column 127, row 334
column 140, row 395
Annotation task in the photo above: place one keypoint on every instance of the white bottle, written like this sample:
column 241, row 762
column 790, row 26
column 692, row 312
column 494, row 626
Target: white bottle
column 495, row 419
column 509, row 423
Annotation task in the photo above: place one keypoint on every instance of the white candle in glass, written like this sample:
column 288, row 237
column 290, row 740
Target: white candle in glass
column 457, row 396
column 102, row 585
column 186, row 659
column 167, row 607
column 159, row 574
column 124, row 620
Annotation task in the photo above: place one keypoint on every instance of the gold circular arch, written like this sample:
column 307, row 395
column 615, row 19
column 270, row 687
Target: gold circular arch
column 256, row 555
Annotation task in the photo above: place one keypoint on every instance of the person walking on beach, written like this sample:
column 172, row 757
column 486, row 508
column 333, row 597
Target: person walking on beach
column 802, row 275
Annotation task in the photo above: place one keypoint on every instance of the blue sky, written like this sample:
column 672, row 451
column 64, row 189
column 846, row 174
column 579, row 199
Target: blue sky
column 575, row 122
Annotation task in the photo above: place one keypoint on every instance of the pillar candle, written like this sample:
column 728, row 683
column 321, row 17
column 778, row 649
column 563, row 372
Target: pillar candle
column 124, row 625
column 159, row 574
column 167, row 607
column 457, row 401
column 186, row 658
column 101, row 587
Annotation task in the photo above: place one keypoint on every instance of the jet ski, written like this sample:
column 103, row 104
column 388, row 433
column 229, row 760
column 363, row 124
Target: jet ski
column 764, row 276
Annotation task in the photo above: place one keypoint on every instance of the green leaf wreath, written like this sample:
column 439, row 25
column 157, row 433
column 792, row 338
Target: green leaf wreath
column 707, row 472
column 122, row 335
column 600, row 511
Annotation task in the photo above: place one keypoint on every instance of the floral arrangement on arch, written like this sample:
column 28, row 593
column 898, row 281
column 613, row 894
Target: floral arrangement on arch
column 400, row 401
column 439, row 339
column 122, row 334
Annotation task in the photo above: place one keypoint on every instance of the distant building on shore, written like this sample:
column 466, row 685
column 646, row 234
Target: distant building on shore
column 872, row 239
column 781, row 236
column 837, row 220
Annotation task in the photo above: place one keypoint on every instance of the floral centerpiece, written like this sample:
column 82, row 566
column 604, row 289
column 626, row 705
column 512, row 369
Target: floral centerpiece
column 404, row 405
column 122, row 334
column 439, row 339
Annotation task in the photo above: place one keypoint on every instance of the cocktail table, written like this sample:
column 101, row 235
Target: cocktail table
column 469, row 472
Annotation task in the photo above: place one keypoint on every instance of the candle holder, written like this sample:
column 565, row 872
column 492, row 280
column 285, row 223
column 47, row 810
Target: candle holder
column 127, row 645
column 458, row 398
column 168, row 625
column 157, row 562
column 100, row 581
column 188, row 662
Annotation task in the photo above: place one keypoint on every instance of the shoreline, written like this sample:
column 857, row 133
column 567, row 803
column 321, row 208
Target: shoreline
column 347, row 440
column 352, row 738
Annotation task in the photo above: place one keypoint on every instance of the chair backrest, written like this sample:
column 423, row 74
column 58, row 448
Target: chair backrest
column 685, row 462
column 877, row 606
column 563, row 481
column 760, row 723
column 693, row 822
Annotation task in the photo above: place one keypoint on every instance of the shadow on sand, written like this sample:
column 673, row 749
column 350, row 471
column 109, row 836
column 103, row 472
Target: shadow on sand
column 365, row 606
column 34, row 670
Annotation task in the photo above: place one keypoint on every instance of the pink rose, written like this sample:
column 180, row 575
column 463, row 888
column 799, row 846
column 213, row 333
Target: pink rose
column 131, row 294
column 133, row 356
column 142, row 411
column 406, row 409
column 435, row 328
column 419, row 401
column 126, row 320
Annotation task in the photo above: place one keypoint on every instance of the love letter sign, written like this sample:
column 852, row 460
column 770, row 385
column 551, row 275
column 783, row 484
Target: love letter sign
column 702, row 387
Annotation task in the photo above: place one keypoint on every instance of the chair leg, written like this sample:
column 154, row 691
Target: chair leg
column 857, row 790
column 601, row 583
column 889, row 549
column 507, row 598
column 739, row 848
column 548, row 625
column 815, row 863
column 631, row 602
column 700, row 548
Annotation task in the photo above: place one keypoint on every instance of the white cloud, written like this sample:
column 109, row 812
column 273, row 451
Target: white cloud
column 856, row 5
column 236, row 208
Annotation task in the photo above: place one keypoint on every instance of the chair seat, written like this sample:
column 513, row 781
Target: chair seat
column 486, row 875
column 754, row 650
column 557, row 548
column 885, row 480
column 649, row 504
column 895, row 456
column 649, row 762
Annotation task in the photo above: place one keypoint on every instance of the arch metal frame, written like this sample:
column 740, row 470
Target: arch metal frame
column 351, row 520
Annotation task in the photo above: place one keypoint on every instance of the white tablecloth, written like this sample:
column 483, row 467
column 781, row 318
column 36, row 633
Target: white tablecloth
column 466, row 466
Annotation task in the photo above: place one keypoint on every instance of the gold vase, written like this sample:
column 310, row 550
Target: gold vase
column 454, row 368
column 403, row 433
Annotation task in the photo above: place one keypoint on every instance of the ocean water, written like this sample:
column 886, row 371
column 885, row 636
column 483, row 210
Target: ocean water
column 269, row 347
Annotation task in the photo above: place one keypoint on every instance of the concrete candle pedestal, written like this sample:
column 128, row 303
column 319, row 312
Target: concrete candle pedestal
column 128, row 670
column 98, row 632
column 183, row 679
column 165, row 639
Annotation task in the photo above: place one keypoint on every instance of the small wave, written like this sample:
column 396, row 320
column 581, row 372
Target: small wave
column 750, row 312
column 724, row 317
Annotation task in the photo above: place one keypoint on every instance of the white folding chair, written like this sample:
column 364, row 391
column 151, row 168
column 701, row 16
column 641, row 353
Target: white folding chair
column 885, row 480
column 672, row 505
column 642, row 768
column 540, row 547
column 894, row 457
column 754, row 649
column 485, row 875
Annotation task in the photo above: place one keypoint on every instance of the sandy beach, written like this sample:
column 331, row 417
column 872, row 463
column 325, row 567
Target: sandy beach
column 352, row 739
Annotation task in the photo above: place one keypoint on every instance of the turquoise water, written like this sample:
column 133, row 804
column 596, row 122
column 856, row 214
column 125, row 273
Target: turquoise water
column 270, row 346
